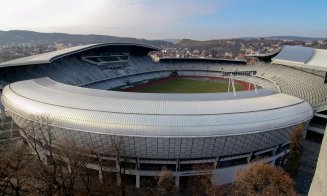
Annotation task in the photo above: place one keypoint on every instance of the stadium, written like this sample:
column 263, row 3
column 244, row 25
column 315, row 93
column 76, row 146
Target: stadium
column 96, row 92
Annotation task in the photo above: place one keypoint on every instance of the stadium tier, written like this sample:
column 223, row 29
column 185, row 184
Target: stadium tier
column 74, row 90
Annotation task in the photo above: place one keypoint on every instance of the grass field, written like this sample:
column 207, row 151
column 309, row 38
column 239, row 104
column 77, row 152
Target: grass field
column 186, row 85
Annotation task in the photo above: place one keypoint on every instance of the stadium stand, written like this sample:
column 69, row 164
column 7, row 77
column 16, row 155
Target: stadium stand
column 63, row 74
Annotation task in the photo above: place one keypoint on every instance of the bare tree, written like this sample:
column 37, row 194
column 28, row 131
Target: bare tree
column 166, row 182
column 118, row 152
column 263, row 179
column 85, row 174
column 61, row 166
column 115, row 154
column 148, row 186
column 14, row 169
column 296, row 147
column 109, row 167
column 74, row 160
column 40, row 138
column 202, row 184
column 57, row 163
column 107, row 176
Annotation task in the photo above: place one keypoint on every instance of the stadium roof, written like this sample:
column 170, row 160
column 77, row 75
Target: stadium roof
column 264, row 54
column 51, row 56
column 303, row 57
column 207, row 60
column 147, row 114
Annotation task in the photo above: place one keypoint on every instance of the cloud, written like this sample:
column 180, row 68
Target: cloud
column 125, row 17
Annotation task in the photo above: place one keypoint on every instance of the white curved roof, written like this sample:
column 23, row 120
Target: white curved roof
column 305, row 57
column 144, row 114
column 44, row 57
column 50, row 56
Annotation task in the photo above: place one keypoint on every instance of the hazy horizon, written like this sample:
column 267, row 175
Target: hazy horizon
column 169, row 19
column 325, row 37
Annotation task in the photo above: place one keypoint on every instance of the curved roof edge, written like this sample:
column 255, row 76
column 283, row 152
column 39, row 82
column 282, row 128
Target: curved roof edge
column 303, row 57
column 107, row 114
column 213, row 60
column 51, row 56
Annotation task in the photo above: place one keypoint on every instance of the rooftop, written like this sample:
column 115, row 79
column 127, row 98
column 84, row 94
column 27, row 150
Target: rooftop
column 50, row 56
column 303, row 57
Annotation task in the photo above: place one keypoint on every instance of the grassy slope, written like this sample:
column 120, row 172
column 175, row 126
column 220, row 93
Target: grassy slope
column 184, row 85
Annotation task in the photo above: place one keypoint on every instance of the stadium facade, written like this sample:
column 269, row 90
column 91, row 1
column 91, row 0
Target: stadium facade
column 226, row 131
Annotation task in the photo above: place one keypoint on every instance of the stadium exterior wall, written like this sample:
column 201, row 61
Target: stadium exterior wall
column 215, row 150
column 224, row 145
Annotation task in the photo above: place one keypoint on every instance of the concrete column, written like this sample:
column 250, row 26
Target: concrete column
column 137, row 184
column 137, row 176
column 177, row 165
column 138, row 163
column 215, row 164
column 100, row 176
column 11, row 125
column 249, row 157
column 69, row 168
column 275, row 150
column 306, row 129
column 43, row 155
column 3, row 114
column 177, row 181
column 118, row 173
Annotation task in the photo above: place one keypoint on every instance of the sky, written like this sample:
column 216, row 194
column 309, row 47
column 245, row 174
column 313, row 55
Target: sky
column 164, row 19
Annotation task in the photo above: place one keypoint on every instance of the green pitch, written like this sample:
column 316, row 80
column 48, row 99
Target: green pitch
column 188, row 85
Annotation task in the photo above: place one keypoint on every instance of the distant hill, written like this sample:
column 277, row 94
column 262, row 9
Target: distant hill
column 294, row 38
column 19, row 36
column 203, row 45
column 190, row 42
column 171, row 40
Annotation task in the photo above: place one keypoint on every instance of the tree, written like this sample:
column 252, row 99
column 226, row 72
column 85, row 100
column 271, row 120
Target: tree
column 111, row 167
column 148, row 186
column 263, row 179
column 107, row 176
column 166, row 182
column 60, row 163
column 202, row 184
column 47, row 175
column 297, row 138
column 14, row 169
column 57, row 164
column 74, row 161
